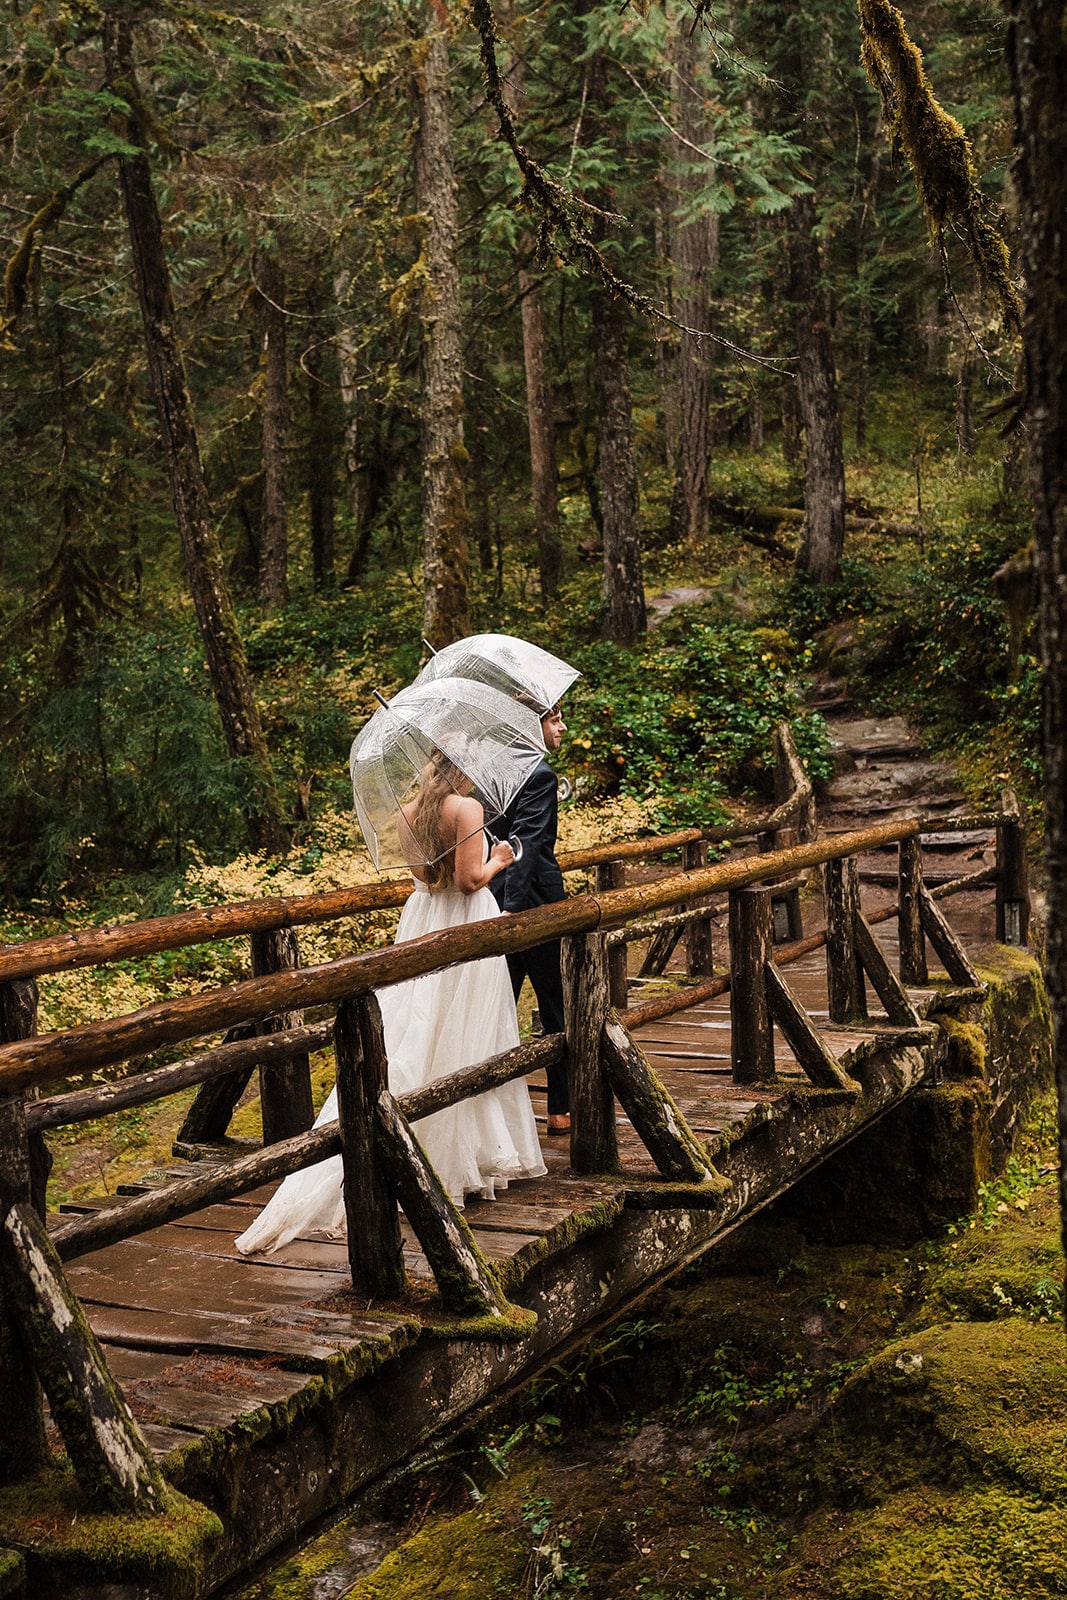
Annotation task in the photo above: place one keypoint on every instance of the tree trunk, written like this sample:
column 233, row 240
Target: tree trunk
column 321, row 388
column 694, row 255
column 1037, row 58
column 619, row 498
column 200, row 547
column 619, row 494
column 446, row 560
column 269, row 280
column 965, row 405
column 790, row 422
column 824, row 490
column 544, row 471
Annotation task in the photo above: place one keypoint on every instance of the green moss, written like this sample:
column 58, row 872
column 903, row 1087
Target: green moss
column 958, row 1403
column 986, row 1545
column 470, row 1557
column 966, row 1048
column 513, row 1327
column 12, row 1574
column 47, row 1520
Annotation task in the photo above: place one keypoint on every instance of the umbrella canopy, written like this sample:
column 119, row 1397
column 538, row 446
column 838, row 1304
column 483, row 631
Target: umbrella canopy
column 464, row 734
column 505, row 663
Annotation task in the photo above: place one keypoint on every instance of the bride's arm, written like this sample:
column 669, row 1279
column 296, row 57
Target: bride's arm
column 473, row 872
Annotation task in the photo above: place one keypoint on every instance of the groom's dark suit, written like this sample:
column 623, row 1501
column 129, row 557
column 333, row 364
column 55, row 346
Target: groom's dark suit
column 536, row 880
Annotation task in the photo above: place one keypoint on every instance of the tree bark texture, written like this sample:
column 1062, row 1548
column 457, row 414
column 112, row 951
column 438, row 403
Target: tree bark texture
column 445, row 555
column 200, row 547
column 619, row 496
column 544, row 470
column 619, row 493
column 694, row 255
column 319, row 363
column 824, row 493
column 269, row 280
column 23, row 1447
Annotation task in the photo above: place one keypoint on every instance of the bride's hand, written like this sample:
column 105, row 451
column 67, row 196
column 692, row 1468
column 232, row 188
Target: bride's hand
column 502, row 853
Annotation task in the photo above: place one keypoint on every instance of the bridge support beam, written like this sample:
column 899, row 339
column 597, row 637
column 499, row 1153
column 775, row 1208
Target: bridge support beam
column 594, row 1145
column 751, row 1032
column 844, row 970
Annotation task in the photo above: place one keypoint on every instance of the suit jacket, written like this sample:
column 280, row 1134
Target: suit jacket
column 536, row 879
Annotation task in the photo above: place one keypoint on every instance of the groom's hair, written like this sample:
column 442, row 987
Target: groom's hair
column 532, row 703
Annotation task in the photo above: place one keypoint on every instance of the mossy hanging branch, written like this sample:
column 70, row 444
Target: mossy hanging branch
column 561, row 209
column 937, row 149
column 21, row 270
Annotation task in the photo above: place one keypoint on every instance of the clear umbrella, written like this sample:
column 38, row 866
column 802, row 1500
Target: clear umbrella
column 453, row 731
column 511, row 665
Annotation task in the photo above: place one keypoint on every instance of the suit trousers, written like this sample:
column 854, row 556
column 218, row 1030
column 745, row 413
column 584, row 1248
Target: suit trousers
column 541, row 966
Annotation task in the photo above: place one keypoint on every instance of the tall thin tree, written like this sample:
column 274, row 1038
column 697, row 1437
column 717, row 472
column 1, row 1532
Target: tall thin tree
column 694, row 236
column 200, row 547
column 445, row 554
column 269, row 290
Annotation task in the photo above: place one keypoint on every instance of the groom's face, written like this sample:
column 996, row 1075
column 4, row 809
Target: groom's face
column 553, row 728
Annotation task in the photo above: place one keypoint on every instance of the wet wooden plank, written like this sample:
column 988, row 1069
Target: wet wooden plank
column 169, row 1405
column 161, row 1441
column 175, row 1333
column 252, row 1385
column 150, row 1276
column 513, row 1215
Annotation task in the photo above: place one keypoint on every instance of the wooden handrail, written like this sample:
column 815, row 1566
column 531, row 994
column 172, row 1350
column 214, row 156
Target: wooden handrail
column 91, row 947
column 93, row 1045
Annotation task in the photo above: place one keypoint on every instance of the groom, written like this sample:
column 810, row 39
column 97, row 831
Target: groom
column 536, row 880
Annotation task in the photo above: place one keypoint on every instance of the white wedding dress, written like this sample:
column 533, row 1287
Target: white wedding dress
column 433, row 1026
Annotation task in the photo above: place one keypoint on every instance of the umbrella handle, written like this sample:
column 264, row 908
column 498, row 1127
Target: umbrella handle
column 513, row 840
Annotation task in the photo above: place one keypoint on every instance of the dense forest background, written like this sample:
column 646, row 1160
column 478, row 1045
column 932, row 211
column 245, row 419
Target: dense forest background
column 303, row 362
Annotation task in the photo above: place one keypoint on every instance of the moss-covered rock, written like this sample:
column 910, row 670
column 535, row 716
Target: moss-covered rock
column 62, row 1541
column 930, row 1545
column 960, row 1403
column 474, row 1556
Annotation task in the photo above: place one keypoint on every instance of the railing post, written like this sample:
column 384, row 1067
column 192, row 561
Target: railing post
column 844, row 971
column 612, row 875
column 18, row 1020
column 594, row 1146
column 913, row 969
column 1013, row 888
column 23, row 1447
column 751, row 1033
column 698, row 948
column 284, row 1087
column 375, row 1249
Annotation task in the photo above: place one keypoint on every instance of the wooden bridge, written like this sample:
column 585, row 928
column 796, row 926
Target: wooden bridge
column 269, row 1390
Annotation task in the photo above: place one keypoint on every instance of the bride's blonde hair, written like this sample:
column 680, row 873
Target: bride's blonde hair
column 440, row 778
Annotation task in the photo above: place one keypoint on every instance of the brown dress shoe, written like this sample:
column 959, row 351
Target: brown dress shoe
column 559, row 1122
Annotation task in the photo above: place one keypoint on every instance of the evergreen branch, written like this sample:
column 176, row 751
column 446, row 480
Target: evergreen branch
column 561, row 209
column 937, row 149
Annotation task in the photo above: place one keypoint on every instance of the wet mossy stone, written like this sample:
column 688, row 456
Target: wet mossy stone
column 960, row 1404
column 988, row 1544
column 475, row 1556
column 46, row 1521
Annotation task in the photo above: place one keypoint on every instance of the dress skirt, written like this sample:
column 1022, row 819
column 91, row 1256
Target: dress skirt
column 433, row 1026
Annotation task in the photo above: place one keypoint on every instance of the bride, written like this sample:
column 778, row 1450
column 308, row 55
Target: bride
column 433, row 1026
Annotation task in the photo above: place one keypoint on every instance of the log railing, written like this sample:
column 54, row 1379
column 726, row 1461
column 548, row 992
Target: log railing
column 45, row 1338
